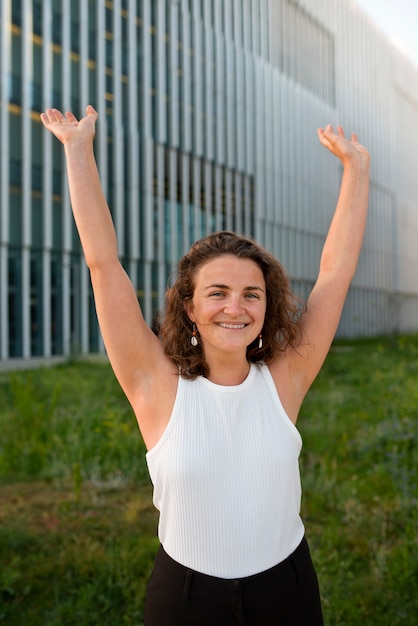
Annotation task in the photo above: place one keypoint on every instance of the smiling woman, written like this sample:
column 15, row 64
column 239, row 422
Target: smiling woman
column 217, row 395
column 228, row 307
column 223, row 272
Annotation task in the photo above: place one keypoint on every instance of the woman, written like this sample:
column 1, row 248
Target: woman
column 217, row 396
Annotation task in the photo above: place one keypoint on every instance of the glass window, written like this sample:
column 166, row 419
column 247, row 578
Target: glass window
column 37, row 17
column 56, row 305
column 93, row 325
column 75, row 36
column 36, row 326
column 37, row 219
column 36, row 96
column 15, row 216
column 15, row 173
column 57, row 225
column 109, row 20
column 37, row 177
column 17, row 12
column 15, row 89
column 56, row 28
column 92, row 44
column 75, row 304
column 15, row 303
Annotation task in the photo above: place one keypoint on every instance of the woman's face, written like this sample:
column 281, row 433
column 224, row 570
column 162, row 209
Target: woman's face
column 228, row 304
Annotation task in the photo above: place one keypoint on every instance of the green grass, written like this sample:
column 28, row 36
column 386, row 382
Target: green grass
column 77, row 526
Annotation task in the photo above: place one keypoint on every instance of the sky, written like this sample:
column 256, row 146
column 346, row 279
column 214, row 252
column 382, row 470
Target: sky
column 398, row 19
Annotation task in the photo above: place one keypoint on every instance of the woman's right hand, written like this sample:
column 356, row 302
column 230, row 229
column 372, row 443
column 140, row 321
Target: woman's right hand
column 67, row 127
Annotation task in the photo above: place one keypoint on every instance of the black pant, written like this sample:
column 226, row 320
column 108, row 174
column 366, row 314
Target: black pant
column 285, row 595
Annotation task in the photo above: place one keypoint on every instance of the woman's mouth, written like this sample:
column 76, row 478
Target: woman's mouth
column 231, row 326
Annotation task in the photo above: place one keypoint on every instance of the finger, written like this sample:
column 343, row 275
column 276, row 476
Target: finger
column 354, row 137
column 70, row 117
column 340, row 131
column 50, row 116
column 90, row 110
column 55, row 115
column 321, row 135
column 325, row 135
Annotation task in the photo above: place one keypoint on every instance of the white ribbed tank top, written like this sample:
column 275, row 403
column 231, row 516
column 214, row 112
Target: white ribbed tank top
column 226, row 477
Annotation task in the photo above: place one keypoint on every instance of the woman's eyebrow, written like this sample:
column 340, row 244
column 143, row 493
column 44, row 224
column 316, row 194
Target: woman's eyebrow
column 220, row 286
column 255, row 288
column 217, row 286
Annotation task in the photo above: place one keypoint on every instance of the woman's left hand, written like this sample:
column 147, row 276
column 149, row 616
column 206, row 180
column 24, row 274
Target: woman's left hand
column 347, row 150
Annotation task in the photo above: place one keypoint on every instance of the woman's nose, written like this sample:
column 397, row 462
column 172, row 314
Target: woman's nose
column 233, row 306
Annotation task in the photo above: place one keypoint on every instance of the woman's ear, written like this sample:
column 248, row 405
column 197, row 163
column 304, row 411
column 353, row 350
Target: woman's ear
column 188, row 307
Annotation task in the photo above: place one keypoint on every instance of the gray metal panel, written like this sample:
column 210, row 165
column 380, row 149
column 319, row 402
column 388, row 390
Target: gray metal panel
column 248, row 202
column 264, row 18
column 237, row 16
column 147, row 255
column 161, row 69
column 66, row 103
column 84, row 99
column 246, row 25
column 218, row 197
column 118, row 136
column 285, row 176
column 255, row 28
column 239, row 228
column 174, row 70
column 231, row 129
column 26, row 234
column 210, row 210
column 174, row 210
column 5, row 60
column 147, row 112
column 46, row 180
column 197, row 87
column 185, row 187
column 239, row 138
column 218, row 7
column 160, row 226
column 249, row 127
column 229, row 225
column 276, row 131
column 220, row 98
column 209, row 99
column 186, row 118
column 268, row 155
column 228, row 20
column 197, row 185
column 84, row 55
column 133, row 143
column 259, row 130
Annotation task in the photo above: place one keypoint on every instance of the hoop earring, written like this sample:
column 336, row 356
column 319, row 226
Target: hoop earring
column 193, row 338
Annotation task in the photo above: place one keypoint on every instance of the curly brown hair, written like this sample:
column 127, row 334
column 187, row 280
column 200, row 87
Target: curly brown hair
column 283, row 309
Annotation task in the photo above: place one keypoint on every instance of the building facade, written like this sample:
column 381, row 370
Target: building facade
column 208, row 111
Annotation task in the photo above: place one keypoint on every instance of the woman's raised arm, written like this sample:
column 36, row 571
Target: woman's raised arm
column 134, row 351
column 338, row 264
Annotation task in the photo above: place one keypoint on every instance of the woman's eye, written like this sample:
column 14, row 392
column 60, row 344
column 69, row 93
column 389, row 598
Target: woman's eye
column 217, row 293
column 252, row 295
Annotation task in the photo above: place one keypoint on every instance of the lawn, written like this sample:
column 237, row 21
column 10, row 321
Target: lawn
column 77, row 526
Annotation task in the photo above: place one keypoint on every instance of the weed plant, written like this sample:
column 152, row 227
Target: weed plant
column 77, row 526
